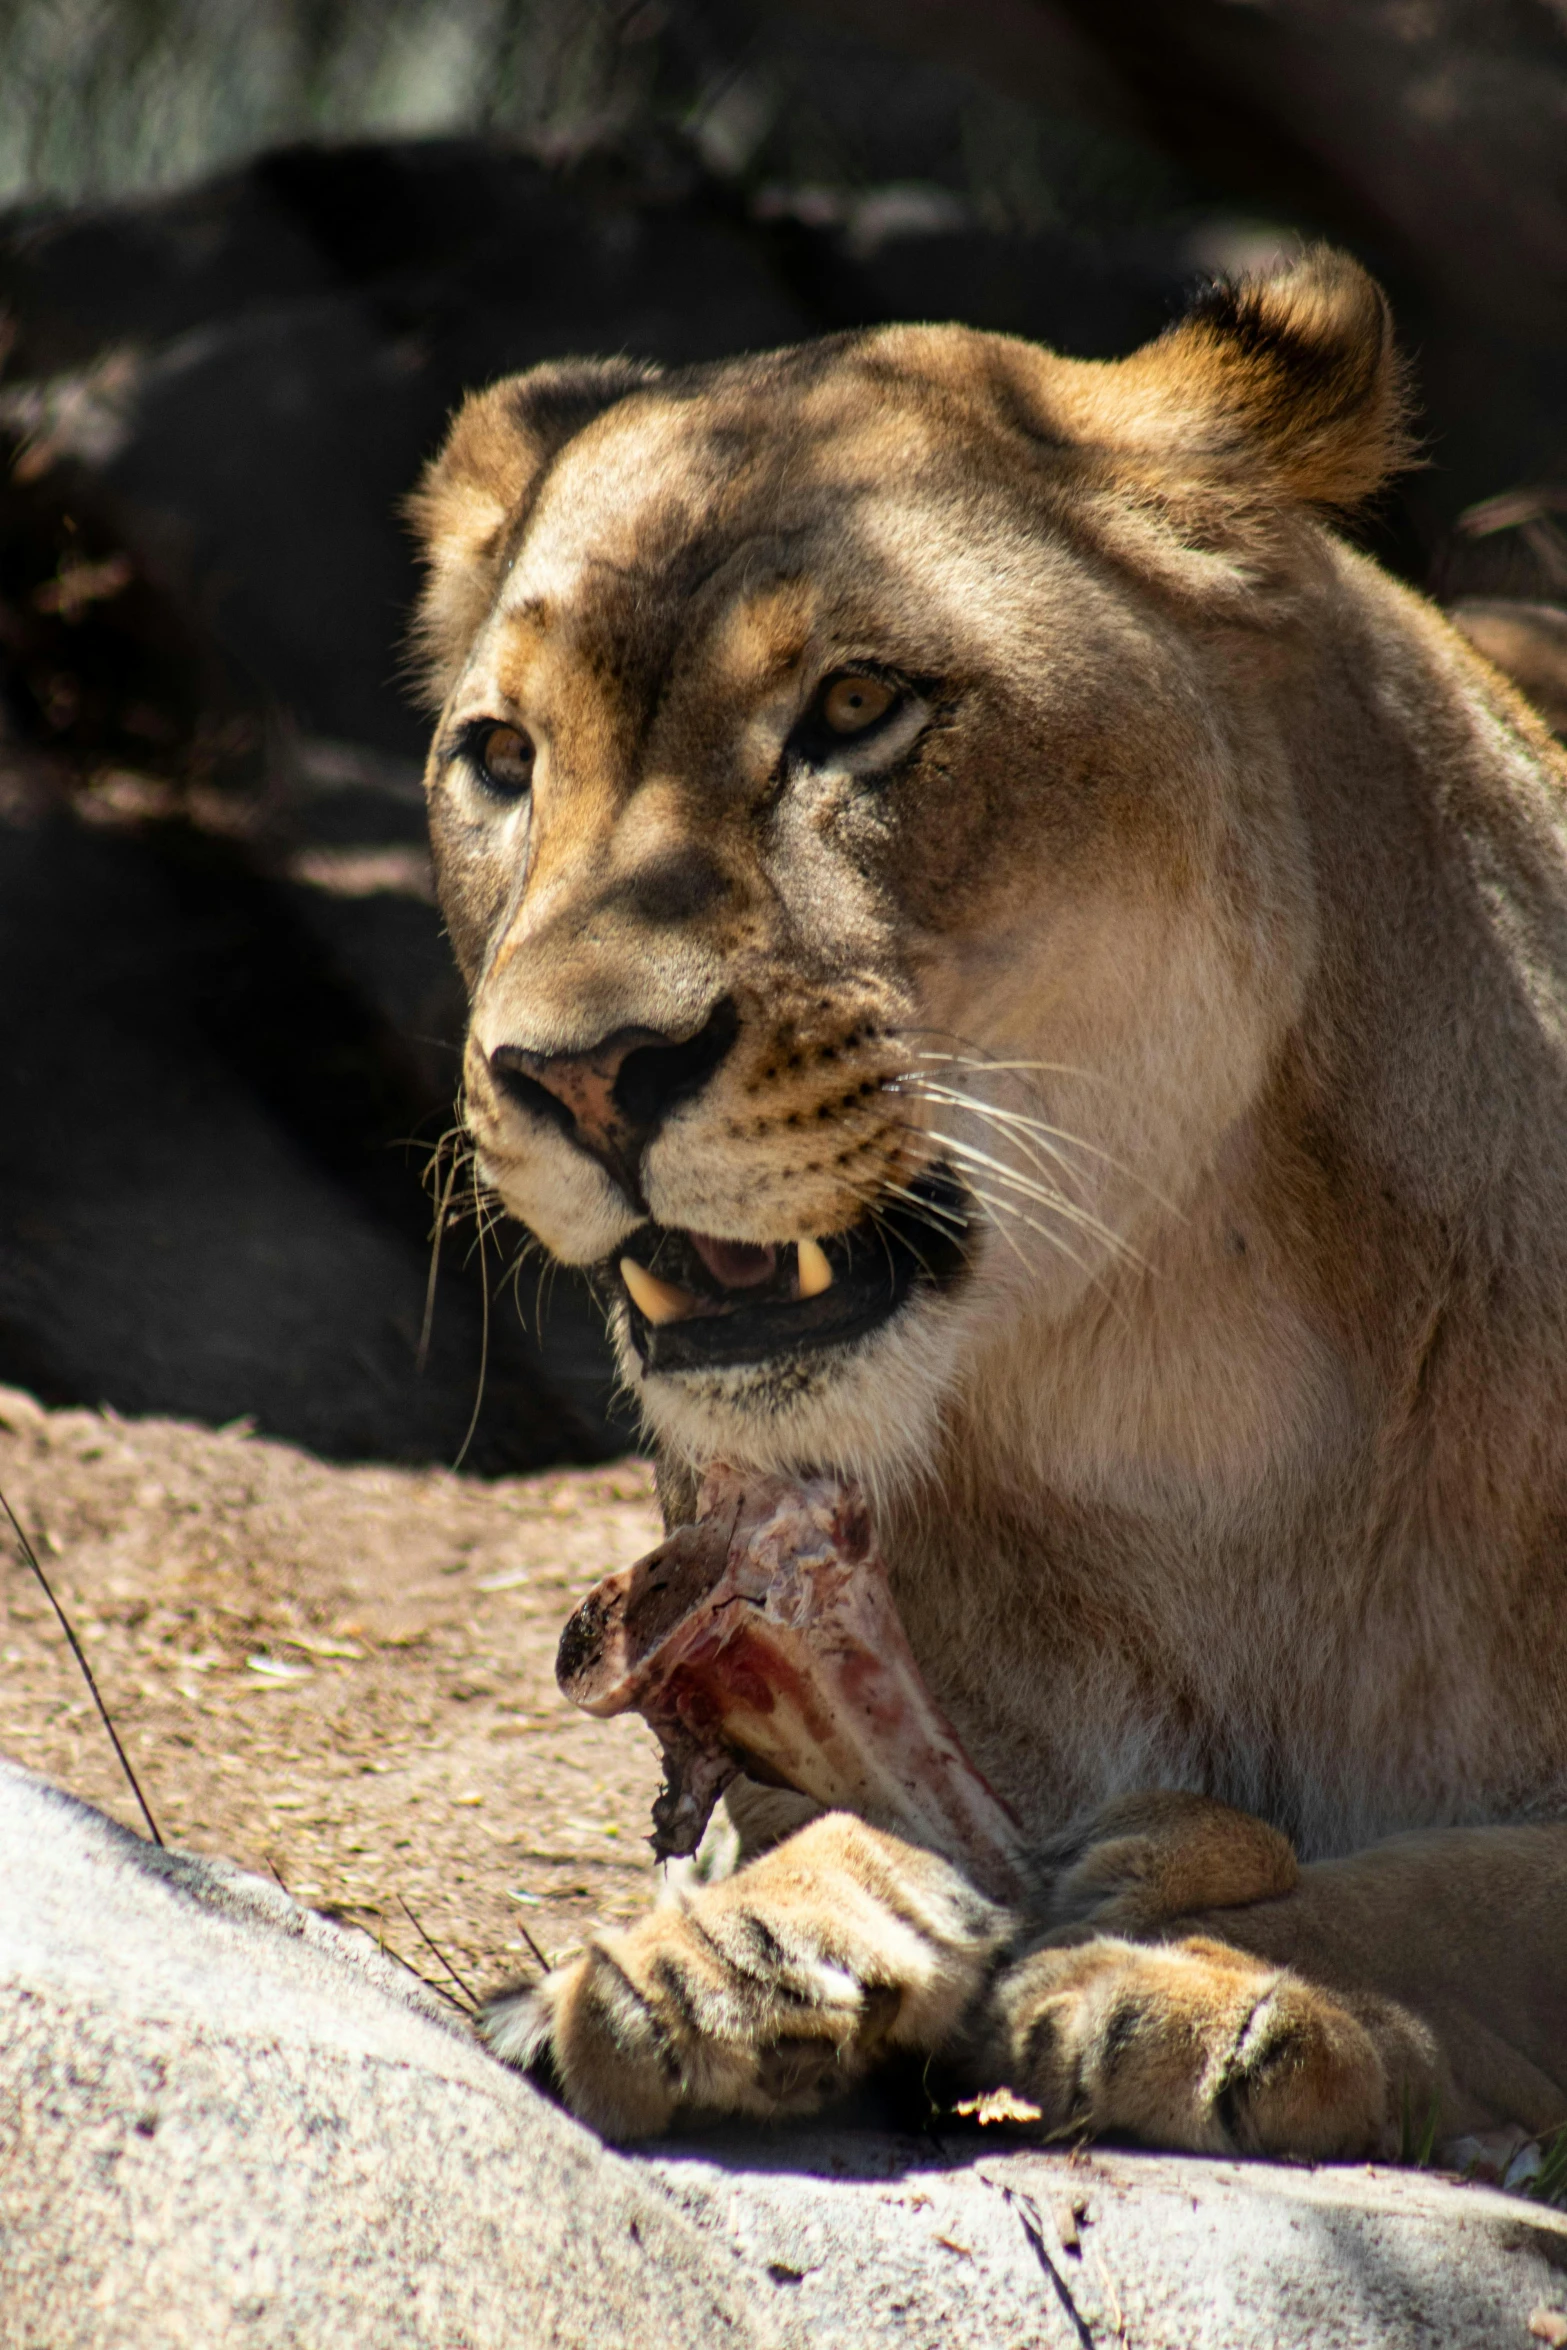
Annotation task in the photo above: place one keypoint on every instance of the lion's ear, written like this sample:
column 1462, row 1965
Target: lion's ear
column 473, row 494
column 1295, row 376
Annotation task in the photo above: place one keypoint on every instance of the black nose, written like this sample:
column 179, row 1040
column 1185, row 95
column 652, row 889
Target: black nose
column 613, row 1098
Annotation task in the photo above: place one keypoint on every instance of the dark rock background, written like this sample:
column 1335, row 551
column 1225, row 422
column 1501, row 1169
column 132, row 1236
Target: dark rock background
column 228, row 1021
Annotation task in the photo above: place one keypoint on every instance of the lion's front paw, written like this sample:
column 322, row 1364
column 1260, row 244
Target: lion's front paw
column 763, row 1994
column 1194, row 2045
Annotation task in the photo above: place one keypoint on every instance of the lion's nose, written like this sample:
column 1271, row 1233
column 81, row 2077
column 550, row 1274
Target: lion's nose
column 613, row 1098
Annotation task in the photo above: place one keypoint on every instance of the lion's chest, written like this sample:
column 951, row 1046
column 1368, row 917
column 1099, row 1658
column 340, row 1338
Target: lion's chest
column 1085, row 1657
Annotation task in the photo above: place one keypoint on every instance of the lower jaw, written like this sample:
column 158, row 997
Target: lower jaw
column 872, row 1410
column 743, row 1394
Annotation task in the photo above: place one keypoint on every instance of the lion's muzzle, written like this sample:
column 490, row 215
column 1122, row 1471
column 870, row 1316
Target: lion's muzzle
column 613, row 1098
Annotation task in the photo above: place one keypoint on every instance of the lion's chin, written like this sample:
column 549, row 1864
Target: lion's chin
column 872, row 1410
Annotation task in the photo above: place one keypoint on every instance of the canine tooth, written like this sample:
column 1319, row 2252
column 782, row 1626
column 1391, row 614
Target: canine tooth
column 660, row 1301
column 815, row 1271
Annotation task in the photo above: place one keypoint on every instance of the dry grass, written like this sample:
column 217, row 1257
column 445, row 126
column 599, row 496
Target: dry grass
column 345, row 1676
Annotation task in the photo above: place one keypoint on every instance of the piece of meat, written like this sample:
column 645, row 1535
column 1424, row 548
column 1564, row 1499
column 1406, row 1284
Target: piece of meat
column 764, row 1639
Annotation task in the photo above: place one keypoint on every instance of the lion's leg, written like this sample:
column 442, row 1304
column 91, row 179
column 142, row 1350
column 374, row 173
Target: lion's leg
column 1348, row 2008
column 1466, row 1928
column 1113, row 2025
column 765, row 1993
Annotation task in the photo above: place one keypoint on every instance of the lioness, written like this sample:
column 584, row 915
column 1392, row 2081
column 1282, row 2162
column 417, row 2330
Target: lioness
column 1039, row 975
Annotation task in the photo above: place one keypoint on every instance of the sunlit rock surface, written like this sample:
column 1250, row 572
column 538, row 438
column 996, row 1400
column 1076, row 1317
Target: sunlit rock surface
column 224, row 2119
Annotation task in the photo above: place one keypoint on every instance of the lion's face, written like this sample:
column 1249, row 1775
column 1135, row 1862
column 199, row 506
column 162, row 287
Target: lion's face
column 860, row 821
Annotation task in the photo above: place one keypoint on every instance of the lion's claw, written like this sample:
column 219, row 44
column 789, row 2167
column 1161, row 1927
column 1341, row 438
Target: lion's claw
column 762, row 1994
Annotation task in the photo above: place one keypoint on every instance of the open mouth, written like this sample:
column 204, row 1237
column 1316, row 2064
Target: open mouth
column 697, row 1303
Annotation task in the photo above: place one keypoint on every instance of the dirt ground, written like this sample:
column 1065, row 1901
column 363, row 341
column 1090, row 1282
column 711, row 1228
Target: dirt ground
column 343, row 1676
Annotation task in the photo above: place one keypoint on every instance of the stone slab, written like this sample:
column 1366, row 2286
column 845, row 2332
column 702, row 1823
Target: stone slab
column 888, row 2243
column 224, row 2120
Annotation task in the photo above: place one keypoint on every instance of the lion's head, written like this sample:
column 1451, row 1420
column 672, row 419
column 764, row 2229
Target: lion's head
column 864, row 806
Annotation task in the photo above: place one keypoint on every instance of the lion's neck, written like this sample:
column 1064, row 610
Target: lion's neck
column 1283, row 1514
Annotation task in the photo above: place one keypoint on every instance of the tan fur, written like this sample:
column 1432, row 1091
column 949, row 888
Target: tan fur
column 1207, row 902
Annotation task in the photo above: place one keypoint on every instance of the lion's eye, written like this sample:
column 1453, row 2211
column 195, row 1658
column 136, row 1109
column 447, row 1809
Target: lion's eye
column 503, row 756
column 851, row 704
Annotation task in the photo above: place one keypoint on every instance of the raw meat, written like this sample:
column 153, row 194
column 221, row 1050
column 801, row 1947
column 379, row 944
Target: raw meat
column 764, row 1639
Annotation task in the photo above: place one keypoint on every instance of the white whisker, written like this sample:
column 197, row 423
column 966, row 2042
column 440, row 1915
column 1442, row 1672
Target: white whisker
column 1031, row 1139
column 1047, row 1136
column 1040, row 1194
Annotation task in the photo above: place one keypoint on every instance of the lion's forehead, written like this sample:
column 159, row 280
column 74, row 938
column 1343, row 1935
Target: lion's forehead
column 658, row 482
column 629, row 490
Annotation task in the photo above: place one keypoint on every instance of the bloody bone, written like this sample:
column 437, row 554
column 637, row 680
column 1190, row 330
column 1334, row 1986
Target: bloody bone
column 764, row 1639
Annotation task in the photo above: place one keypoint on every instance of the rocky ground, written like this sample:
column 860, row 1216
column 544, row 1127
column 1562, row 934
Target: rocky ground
column 341, row 1676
